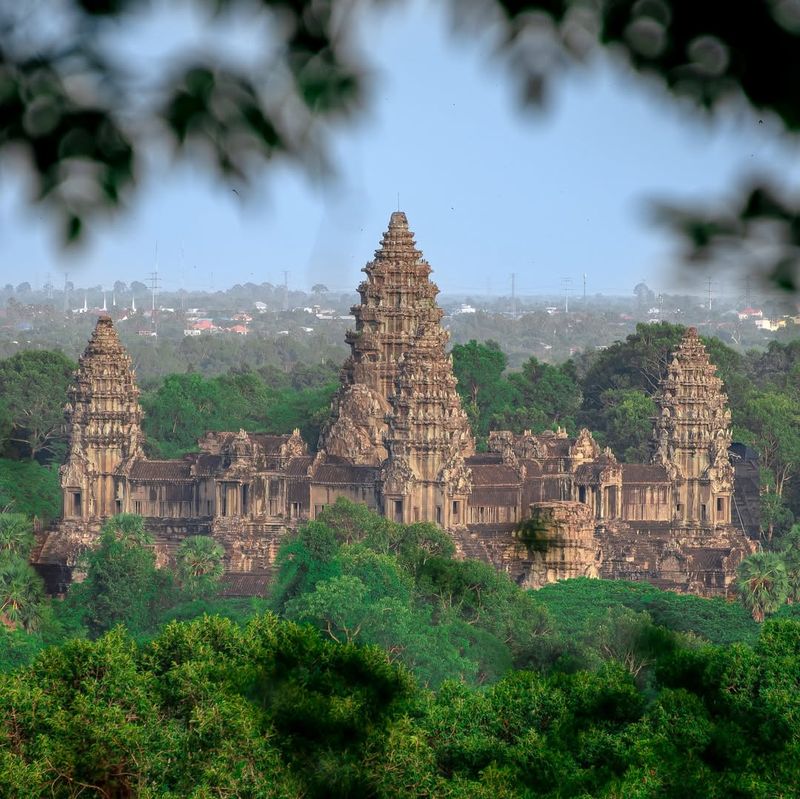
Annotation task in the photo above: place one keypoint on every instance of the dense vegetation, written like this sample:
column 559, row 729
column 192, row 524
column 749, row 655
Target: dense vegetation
column 411, row 674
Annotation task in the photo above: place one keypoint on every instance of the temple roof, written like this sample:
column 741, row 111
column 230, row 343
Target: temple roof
column 644, row 473
column 161, row 470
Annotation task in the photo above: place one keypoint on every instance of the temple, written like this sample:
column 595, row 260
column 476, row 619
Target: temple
column 541, row 507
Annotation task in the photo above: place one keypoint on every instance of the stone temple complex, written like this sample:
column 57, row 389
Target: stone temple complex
column 540, row 507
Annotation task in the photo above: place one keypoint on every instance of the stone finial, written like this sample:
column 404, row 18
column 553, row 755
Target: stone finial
column 398, row 220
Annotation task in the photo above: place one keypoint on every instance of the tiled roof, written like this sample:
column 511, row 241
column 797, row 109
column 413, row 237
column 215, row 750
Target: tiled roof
column 298, row 467
column 484, row 457
column 160, row 470
column 500, row 496
column 344, row 474
column 493, row 474
column 269, row 443
column 644, row 473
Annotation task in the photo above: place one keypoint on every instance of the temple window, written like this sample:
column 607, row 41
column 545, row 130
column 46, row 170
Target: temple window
column 398, row 510
column 76, row 503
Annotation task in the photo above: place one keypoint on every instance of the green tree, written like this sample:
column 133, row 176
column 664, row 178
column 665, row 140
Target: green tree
column 762, row 584
column 30, row 488
column 775, row 515
column 789, row 546
column 200, row 565
column 21, row 593
column 16, row 534
column 33, row 384
column 122, row 584
column 640, row 362
column 629, row 638
column 479, row 369
column 541, row 397
column 773, row 419
column 627, row 423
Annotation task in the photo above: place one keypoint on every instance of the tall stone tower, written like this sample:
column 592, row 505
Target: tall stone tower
column 398, row 407
column 693, row 435
column 104, row 426
column 425, row 477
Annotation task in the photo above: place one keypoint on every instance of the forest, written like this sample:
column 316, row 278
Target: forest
column 379, row 664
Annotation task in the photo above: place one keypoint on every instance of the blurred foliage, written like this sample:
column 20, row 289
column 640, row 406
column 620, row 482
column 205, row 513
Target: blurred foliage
column 65, row 100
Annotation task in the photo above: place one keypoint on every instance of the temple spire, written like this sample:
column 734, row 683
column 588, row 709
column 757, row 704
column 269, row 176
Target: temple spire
column 692, row 434
column 398, row 398
column 103, row 425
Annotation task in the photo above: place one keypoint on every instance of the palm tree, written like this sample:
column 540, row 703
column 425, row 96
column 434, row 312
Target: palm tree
column 16, row 533
column 199, row 564
column 21, row 593
column 762, row 583
column 128, row 527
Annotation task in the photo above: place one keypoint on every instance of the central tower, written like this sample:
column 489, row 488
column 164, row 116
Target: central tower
column 397, row 407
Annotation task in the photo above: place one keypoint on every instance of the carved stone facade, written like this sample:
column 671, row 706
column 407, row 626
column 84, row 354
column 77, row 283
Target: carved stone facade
column 693, row 435
column 398, row 441
column 104, row 431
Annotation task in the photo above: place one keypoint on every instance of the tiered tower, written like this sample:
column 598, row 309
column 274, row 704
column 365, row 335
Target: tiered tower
column 693, row 435
column 104, row 426
column 398, row 407
column 396, row 299
column 428, row 437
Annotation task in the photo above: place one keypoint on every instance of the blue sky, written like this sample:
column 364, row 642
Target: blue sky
column 489, row 189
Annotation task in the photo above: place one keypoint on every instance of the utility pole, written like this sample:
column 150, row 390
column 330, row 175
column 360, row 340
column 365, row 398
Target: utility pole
column 709, row 295
column 285, row 289
column 154, row 287
column 566, row 283
column 584, row 288
column 747, row 292
column 66, row 293
column 513, row 295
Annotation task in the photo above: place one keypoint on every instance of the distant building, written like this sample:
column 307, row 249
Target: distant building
column 750, row 313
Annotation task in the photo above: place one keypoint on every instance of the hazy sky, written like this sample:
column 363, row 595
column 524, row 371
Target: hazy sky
column 488, row 189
